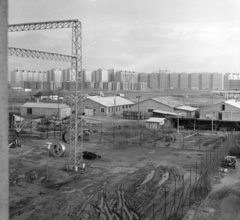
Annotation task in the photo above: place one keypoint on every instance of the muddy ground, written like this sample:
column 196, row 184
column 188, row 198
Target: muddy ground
column 120, row 185
column 223, row 201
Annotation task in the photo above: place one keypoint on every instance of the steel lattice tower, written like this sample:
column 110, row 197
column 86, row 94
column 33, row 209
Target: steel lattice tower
column 76, row 128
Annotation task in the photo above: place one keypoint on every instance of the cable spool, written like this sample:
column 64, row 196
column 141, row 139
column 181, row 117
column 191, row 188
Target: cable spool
column 57, row 149
column 65, row 136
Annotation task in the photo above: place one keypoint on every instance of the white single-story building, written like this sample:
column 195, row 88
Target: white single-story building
column 106, row 106
column 228, row 110
column 45, row 109
column 154, row 123
column 160, row 103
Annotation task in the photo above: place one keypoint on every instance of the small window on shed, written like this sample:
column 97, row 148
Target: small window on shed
column 150, row 110
column 223, row 107
column 29, row 110
column 102, row 109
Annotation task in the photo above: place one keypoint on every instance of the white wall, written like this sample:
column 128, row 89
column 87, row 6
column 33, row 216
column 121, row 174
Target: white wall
column 148, row 104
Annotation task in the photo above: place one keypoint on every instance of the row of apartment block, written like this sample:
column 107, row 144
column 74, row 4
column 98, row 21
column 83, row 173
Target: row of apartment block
column 50, row 85
column 161, row 80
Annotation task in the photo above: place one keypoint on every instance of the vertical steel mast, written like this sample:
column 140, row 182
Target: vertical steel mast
column 76, row 127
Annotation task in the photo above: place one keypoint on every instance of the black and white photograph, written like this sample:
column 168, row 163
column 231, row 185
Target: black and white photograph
column 120, row 110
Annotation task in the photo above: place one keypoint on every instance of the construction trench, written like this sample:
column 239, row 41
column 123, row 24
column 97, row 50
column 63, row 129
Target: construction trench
column 140, row 174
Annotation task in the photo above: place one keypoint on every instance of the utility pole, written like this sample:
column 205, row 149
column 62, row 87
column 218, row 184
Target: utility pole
column 178, row 124
column 212, row 121
column 138, row 97
column 114, row 105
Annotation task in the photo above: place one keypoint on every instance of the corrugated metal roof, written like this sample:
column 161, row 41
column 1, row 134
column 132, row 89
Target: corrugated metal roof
column 109, row 101
column 233, row 102
column 164, row 112
column 168, row 101
column 44, row 105
column 158, row 120
column 187, row 108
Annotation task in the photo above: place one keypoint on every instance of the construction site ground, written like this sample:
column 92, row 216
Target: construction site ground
column 121, row 183
column 223, row 201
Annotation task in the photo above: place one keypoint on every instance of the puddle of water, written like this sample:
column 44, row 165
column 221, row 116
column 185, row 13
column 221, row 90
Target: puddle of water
column 149, row 177
column 123, row 169
column 165, row 177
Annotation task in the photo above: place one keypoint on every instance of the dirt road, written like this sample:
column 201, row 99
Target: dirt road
column 223, row 203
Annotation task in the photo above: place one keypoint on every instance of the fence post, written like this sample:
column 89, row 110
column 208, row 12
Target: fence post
column 190, row 185
column 47, row 129
column 154, row 138
column 201, row 166
column 196, row 170
column 210, row 162
column 153, row 209
column 30, row 129
column 182, row 139
column 214, row 162
column 175, row 194
column 101, row 132
column 206, row 162
column 139, row 131
column 199, row 145
column 54, row 130
column 165, row 198
column 113, row 132
column 183, row 196
column 127, row 134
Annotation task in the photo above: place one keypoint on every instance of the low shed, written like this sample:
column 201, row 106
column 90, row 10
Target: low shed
column 186, row 111
column 45, row 109
column 154, row 123
column 106, row 106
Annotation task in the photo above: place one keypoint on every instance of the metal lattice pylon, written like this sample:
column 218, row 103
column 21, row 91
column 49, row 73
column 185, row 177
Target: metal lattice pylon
column 76, row 128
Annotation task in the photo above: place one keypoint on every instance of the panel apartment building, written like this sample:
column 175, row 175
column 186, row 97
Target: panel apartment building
column 174, row 80
column 194, row 79
column 100, row 76
column 232, row 81
column 184, row 81
column 217, row 81
column 163, row 80
column 125, row 76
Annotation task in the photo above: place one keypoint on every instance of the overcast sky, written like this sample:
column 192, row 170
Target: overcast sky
column 137, row 35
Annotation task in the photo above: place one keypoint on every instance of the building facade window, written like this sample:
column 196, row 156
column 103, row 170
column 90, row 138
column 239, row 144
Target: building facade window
column 223, row 107
column 102, row 109
column 150, row 110
column 29, row 110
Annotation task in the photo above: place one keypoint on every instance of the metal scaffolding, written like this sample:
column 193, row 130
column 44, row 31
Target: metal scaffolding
column 19, row 52
column 76, row 128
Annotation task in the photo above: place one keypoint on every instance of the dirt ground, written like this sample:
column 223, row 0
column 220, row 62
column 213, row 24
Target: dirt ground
column 224, row 200
column 123, row 182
